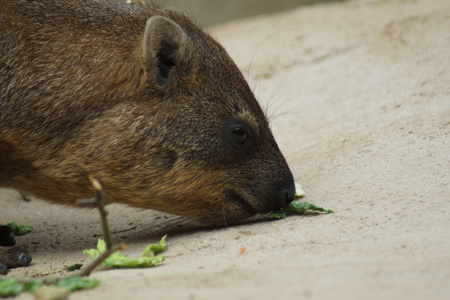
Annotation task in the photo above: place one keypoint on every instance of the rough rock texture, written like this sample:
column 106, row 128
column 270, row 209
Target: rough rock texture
column 360, row 98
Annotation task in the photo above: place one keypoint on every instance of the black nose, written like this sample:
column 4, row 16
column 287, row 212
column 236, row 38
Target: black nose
column 287, row 194
column 281, row 195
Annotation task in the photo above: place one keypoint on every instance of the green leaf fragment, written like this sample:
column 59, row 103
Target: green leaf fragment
column 298, row 208
column 101, row 246
column 94, row 253
column 76, row 283
column 128, row 262
column 118, row 260
column 154, row 249
column 278, row 214
column 10, row 287
column 74, row 267
column 13, row 287
column 19, row 229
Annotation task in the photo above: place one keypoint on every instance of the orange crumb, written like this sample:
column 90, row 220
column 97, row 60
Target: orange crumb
column 242, row 249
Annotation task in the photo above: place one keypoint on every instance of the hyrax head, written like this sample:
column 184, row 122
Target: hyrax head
column 202, row 147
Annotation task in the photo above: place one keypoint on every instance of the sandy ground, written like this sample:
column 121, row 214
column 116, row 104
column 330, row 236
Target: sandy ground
column 359, row 93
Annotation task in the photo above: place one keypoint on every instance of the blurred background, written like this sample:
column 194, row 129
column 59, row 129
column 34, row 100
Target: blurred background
column 212, row 12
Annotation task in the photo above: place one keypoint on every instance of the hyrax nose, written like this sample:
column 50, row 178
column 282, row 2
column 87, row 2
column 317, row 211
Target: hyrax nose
column 287, row 194
column 283, row 194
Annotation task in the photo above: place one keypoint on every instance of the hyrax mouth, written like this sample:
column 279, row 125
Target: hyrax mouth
column 233, row 197
column 281, row 194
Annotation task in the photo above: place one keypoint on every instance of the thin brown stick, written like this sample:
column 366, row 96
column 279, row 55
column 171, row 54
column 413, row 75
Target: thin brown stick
column 98, row 202
column 99, row 196
column 91, row 267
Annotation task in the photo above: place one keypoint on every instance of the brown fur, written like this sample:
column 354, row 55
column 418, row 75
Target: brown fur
column 139, row 97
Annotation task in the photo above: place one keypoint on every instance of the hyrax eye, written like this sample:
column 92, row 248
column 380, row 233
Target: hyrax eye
column 237, row 135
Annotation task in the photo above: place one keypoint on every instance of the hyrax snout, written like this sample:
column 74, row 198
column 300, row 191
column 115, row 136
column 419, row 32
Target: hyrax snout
column 140, row 98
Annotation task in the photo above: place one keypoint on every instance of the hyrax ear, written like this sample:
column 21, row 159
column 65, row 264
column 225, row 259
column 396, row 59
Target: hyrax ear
column 164, row 44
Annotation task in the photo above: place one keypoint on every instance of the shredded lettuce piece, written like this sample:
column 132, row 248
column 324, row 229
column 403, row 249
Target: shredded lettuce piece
column 12, row 287
column 20, row 229
column 118, row 260
column 76, row 283
column 154, row 249
column 296, row 207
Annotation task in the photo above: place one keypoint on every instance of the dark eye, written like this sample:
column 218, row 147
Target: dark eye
column 238, row 136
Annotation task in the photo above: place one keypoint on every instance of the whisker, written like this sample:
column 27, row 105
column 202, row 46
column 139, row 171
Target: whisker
column 257, row 88
column 271, row 99
column 223, row 213
column 293, row 113
column 274, row 114
column 259, row 46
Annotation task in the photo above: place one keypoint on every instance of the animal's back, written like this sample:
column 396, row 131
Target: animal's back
column 65, row 51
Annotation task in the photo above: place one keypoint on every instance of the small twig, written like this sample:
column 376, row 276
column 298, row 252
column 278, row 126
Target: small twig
column 88, row 270
column 97, row 201
column 99, row 196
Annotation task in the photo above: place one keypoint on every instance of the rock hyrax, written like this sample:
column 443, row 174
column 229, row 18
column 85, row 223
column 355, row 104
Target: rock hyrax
column 139, row 97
